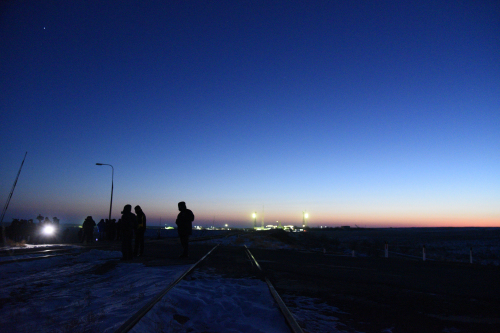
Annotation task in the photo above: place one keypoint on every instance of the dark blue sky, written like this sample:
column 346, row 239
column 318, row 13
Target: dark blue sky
column 378, row 113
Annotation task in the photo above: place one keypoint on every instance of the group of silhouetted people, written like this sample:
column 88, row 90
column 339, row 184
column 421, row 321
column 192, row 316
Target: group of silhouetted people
column 109, row 229
column 124, row 229
column 106, row 230
column 132, row 223
column 127, row 226
column 28, row 230
column 136, row 223
column 21, row 230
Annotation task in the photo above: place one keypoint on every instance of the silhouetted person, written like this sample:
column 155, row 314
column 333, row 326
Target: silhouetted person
column 24, row 230
column 88, row 229
column 46, row 221
column 100, row 227
column 139, row 231
column 184, row 227
column 109, row 229
column 118, row 229
column 15, row 230
column 129, row 222
column 31, row 230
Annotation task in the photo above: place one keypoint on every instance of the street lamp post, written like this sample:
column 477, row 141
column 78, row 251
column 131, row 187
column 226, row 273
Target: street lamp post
column 254, row 215
column 305, row 215
column 112, row 176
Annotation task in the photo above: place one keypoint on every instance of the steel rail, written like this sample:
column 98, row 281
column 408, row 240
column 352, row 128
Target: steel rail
column 22, row 253
column 290, row 320
column 7, row 251
column 132, row 321
column 41, row 256
column 5, row 262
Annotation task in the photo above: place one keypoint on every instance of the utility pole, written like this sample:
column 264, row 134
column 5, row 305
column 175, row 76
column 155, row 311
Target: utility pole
column 4, row 240
column 112, row 176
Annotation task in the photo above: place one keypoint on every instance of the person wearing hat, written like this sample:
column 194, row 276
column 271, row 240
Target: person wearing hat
column 129, row 221
column 184, row 227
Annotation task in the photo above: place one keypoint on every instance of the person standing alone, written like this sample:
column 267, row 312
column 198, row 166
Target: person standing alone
column 139, row 232
column 184, row 227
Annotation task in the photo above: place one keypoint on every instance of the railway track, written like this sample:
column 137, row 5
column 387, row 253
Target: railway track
column 18, row 252
column 134, row 319
column 246, row 258
column 5, row 262
column 290, row 320
column 36, row 253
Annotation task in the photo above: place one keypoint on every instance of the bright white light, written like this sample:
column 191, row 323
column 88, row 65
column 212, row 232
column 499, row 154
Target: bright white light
column 306, row 215
column 254, row 215
column 48, row 230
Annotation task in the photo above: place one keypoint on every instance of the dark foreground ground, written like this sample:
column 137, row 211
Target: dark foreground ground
column 373, row 294
column 377, row 294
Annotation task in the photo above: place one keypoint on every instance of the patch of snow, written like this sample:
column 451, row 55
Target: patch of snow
column 94, row 292
column 66, row 293
column 312, row 315
column 210, row 303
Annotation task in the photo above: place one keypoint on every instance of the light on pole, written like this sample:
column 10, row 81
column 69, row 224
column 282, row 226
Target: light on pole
column 305, row 216
column 112, row 176
column 254, row 215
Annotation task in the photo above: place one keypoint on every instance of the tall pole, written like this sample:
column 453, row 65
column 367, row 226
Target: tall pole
column 4, row 240
column 262, row 216
column 112, row 177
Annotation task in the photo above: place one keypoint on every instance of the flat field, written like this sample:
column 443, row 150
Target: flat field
column 398, row 293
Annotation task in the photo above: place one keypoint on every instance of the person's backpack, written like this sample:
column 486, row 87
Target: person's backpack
column 141, row 221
